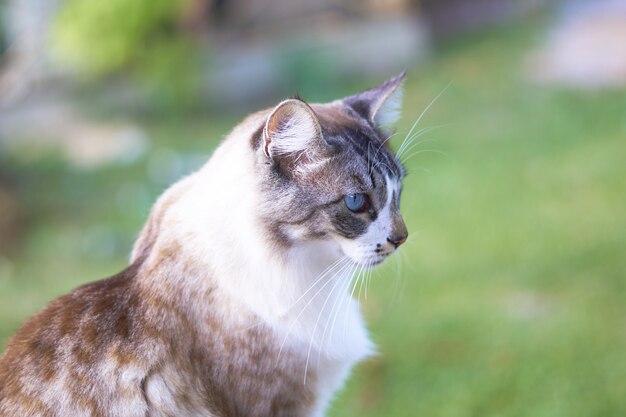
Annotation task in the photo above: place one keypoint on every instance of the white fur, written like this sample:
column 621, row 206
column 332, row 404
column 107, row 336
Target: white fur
column 388, row 112
column 298, row 129
column 215, row 219
column 162, row 397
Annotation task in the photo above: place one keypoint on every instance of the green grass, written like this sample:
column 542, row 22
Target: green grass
column 514, row 287
column 508, row 300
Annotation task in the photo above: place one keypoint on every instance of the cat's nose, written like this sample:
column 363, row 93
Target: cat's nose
column 398, row 233
column 397, row 240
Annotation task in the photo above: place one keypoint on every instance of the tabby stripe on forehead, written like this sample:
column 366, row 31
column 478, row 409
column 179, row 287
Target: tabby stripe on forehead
column 389, row 161
column 363, row 150
column 377, row 157
column 357, row 144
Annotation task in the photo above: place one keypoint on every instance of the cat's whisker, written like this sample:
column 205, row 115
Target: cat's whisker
column 410, row 141
column 422, row 169
column 366, row 280
column 322, row 275
column 385, row 141
column 426, row 151
column 335, row 269
column 355, row 281
column 334, row 313
column 411, row 243
column 400, row 277
column 423, row 113
column 319, row 316
column 344, row 263
column 347, row 296
column 383, row 164
column 370, row 272
column 338, row 300
column 350, row 293
column 361, row 284
column 349, row 300
column 415, row 145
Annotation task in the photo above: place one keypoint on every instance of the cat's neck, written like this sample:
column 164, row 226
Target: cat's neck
column 207, row 224
column 216, row 221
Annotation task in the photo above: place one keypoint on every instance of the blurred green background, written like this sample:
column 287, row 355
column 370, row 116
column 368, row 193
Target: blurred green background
column 509, row 298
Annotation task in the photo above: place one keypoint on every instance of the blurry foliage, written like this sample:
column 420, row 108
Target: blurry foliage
column 142, row 36
column 171, row 73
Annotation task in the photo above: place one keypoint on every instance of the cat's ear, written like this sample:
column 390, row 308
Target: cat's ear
column 381, row 105
column 293, row 130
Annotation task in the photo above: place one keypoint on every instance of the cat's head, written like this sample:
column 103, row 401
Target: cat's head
column 327, row 174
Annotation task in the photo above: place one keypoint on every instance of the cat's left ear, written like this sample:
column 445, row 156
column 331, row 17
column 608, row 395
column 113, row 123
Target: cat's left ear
column 292, row 136
column 381, row 105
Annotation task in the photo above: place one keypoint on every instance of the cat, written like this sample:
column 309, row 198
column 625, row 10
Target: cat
column 237, row 299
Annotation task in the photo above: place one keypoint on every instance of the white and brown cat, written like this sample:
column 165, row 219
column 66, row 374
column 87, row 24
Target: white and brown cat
column 237, row 299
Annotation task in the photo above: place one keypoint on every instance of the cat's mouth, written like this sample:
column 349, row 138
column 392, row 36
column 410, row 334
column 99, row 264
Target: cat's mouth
column 377, row 262
column 366, row 258
column 372, row 261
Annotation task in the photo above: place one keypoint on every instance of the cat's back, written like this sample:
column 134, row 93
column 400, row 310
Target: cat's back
column 84, row 350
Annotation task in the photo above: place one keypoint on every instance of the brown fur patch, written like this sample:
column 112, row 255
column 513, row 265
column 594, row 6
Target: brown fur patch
column 159, row 338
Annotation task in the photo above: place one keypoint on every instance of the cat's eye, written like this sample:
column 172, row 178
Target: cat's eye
column 357, row 203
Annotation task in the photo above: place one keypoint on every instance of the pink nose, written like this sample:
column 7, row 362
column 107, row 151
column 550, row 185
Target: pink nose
column 398, row 233
column 397, row 239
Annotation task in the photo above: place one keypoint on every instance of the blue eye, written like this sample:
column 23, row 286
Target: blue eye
column 357, row 203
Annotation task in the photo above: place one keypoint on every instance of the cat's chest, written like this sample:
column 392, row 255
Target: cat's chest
column 252, row 371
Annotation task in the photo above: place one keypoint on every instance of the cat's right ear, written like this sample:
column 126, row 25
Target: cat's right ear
column 292, row 132
column 381, row 104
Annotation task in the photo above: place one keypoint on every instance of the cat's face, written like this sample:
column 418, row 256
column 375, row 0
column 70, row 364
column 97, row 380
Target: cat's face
column 327, row 174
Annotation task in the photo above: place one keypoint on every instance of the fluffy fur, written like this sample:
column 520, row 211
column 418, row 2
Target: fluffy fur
column 237, row 301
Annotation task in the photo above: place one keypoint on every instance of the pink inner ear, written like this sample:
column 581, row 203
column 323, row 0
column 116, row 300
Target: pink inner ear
column 276, row 122
column 272, row 125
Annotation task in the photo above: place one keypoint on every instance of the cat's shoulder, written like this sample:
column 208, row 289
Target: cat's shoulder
column 71, row 344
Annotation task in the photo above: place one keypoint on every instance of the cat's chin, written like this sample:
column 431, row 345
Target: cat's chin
column 370, row 262
column 365, row 261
